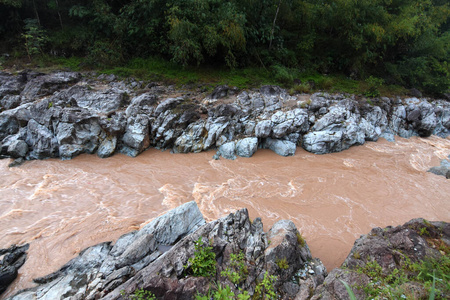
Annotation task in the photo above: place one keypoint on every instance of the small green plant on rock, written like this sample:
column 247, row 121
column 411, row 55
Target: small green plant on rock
column 203, row 263
column 282, row 263
column 223, row 293
column 265, row 289
column 139, row 294
column 237, row 271
column 300, row 239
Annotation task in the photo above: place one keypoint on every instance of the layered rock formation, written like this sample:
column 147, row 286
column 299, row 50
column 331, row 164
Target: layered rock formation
column 64, row 114
column 158, row 258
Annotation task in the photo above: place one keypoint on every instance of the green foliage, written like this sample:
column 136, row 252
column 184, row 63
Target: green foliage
column 373, row 86
column 300, row 239
column 282, row 74
column 403, row 42
column 204, row 261
column 282, row 263
column 34, row 36
column 432, row 273
column 349, row 290
column 204, row 28
column 223, row 293
column 265, row 289
column 140, row 294
column 237, row 271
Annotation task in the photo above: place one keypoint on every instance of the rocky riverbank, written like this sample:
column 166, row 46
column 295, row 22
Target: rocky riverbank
column 66, row 113
column 180, row 256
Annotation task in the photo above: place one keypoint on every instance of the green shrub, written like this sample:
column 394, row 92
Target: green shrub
column 373, row 85
column 35, row 37
column 300, row 239
column 265, row 289
column 282, row 263
column 139, row 294
column 237, row 271
column 282, row 74
column 204, row 261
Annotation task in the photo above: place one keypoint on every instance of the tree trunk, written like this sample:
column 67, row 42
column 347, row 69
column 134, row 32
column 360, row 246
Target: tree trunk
column 273, row 25
column 36, row 13
column 59, row 14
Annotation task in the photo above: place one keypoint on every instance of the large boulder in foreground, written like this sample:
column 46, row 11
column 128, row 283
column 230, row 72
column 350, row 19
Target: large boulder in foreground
column 394, row 262
column 156, row 258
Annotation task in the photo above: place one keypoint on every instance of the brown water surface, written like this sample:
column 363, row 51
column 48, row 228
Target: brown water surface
column 62, row 207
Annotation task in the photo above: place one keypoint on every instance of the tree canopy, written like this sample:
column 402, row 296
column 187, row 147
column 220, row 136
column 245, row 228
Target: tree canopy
column 405, row 42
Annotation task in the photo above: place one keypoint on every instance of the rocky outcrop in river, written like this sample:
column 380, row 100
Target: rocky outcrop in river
column 157, row 258
column 180, row 256
column 66, row 113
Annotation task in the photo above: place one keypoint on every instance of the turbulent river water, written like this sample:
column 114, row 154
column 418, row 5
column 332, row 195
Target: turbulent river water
column 62, row 207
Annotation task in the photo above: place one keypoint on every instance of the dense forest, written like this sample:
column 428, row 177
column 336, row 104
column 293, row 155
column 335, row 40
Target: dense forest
column 405, row 42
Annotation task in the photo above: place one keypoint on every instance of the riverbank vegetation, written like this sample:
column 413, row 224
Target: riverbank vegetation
column 345, row 45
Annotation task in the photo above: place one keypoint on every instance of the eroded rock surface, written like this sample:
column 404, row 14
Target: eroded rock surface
column 156, row 258
column 13, row 258
column 391, row 250
column 65, row 114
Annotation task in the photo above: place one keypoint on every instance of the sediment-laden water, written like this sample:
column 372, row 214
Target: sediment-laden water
column 62, row 207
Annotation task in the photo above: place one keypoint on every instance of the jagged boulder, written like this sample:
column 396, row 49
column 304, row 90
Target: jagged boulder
column 383, row 252
column 156, row 258
column 13, row 258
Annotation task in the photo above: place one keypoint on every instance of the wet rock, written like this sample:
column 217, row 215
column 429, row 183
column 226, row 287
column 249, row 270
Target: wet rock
column 142, row 104
column 227, row 150
column 48, row 84
column 102, row 268
column 14, row 258
column 246, row 147
column 91, row 116
column 99, row 101
column 10, row 101
column 220, row 91
column 390, row 248
column 41, row 140
column 263, row 129
column 18, row 148
column 136, row 137
column 17, row 162
column 443, row 169
column 107, row 147
column 8, row 125
column 280, row 147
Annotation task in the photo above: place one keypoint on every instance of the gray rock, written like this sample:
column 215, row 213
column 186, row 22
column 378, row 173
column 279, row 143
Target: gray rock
column 168, row 104
column 228, row 150
column 42, row 142
column 142, row 104
column 322, row 142
column 390, row 248
column 280, row 147
column 18, row 148
column 10, row 101
column 246, row 147
column 13, row 258
column 102, row 268
column 48, row 84
column 220, row 91
column 263, row 129
column 8, row 126
column 136, row 134
column 107, row 147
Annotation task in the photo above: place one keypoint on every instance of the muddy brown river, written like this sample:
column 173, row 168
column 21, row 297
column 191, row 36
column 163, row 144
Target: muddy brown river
column 62, row 207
